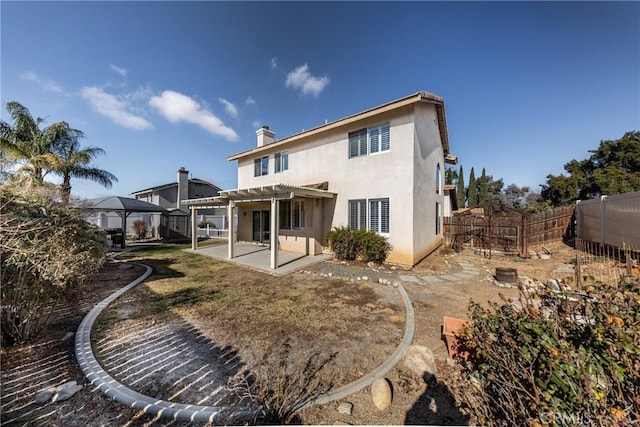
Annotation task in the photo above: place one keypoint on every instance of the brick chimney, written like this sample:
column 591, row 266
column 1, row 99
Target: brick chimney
column 183, row 186
column 264, row 136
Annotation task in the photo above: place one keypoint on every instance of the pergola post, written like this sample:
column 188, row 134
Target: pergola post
column 273, row 232
column 194, row 228
column 230, row 230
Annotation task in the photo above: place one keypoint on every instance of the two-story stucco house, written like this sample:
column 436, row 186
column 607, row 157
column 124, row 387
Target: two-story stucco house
column 381, row 169
column 171, row 195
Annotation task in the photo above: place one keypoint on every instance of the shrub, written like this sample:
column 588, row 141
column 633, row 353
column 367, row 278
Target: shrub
column 349, row 244
column 560, row 359
column 204, row 224
column 375, row 248
column 140, row 228
column 282, row 387
column 45, row 251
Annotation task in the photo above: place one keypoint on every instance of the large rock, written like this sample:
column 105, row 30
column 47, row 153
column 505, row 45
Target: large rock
column 419, row 360
column 345, row 408
column 381, row 393
column 66, row 390
column 45, row 395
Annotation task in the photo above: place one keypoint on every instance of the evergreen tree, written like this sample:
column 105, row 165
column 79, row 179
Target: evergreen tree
column 460, row 188
column 483, row 190
column 472, row 190
column 450, row 176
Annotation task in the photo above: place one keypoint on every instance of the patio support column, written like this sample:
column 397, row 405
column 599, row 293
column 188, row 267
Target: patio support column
column 273, row 232
column 230, row 230
column 194, row 228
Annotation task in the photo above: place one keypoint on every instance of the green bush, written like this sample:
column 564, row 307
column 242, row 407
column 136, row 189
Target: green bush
column 560, row 358
column 349, row 244
column 375, row 248
column 46, row 250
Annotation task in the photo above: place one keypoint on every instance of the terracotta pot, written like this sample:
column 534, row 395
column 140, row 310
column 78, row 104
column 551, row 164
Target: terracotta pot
column 450, row 329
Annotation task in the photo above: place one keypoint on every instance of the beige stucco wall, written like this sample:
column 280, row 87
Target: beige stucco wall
column 405, row 175
column 428, row 154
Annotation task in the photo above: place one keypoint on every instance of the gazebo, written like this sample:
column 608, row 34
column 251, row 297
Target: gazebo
column 123, row 206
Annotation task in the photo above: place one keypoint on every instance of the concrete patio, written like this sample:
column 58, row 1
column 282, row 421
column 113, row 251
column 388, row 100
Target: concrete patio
column 259, row 257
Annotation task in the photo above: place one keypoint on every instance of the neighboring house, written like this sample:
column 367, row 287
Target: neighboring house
column 170, row 196
column 381, row 170
column 450, row 200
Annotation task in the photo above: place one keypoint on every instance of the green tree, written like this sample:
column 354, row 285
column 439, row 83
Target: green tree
column 73, row 162
column 460, row 188
column 27, row 146
column 450, row 176
column 472, row 190
column 613, row 168
column 483, row 190
column 37, row 152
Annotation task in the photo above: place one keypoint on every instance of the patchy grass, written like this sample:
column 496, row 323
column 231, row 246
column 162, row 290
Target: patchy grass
column 250, row 310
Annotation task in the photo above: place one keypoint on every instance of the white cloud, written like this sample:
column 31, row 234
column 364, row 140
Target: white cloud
column 177, row 107
column 274, row 62
column 301, row 79
column 116, row 109
column 231, row 109
column 119, row 70
column 250, row 101
column 256, row 124
column 46, row 84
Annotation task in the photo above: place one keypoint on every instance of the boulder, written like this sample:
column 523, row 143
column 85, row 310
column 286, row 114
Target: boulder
column 45, row 395
column 345, row 408
column 420, row 360
column 381, row 393
column 66, row 390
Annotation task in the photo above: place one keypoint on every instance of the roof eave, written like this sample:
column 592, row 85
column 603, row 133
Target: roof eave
column 389, row 106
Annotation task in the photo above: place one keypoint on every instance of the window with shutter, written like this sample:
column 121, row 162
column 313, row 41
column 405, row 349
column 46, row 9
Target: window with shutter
column 379, row 215
column 281, row 161
column 369, row 141
column 358, row 143
column 261, row 166
column 357, row 214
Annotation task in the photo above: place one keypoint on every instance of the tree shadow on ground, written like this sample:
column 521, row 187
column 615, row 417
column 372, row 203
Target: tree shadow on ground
column 436, row 406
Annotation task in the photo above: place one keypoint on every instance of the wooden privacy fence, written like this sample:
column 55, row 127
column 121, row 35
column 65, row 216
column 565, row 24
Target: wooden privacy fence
column 509, row 230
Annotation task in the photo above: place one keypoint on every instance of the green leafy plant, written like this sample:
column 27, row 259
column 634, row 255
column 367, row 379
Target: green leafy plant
column 349, row 245
column 46, row 250
column 560, row 358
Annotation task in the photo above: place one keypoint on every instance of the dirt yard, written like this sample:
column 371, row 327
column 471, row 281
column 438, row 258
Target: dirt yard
column 362, row 321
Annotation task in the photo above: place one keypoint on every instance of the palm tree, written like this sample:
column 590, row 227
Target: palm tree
column 54, row 149
column 26, row 145
column 73, row 162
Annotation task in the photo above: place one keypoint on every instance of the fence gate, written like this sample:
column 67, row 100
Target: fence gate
column 509, row 230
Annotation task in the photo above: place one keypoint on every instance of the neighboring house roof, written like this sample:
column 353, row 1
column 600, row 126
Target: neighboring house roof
column 408, row 100
column 118, row 204
column 175, row 184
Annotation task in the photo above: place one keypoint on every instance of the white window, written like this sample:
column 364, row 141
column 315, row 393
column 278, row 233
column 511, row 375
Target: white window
column 358, row 214
column 379, row 139
column 379, row 216
column 369, row 141
column 292, row 215
column 261, row 166
column 375, row 218
column 282, row 161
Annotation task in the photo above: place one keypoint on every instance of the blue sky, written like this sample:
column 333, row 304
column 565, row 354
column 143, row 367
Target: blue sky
column 160, row 85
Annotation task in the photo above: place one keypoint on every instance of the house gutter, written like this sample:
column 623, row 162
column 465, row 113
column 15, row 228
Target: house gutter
column 390, row 106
